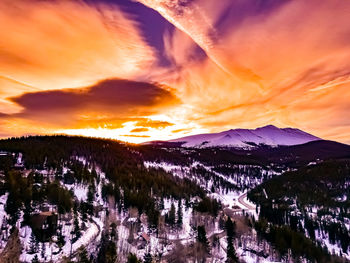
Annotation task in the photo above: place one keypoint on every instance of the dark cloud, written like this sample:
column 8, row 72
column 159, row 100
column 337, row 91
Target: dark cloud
column 113, row 93
column 113, row 99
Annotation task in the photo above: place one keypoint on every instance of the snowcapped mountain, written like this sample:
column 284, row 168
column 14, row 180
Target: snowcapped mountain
column 267, row 135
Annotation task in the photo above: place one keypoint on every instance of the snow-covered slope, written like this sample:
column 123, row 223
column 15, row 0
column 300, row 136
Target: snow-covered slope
column 268, row 135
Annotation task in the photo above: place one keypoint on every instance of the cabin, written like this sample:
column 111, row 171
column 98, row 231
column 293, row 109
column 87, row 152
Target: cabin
column 44, row 225
column 44, row 219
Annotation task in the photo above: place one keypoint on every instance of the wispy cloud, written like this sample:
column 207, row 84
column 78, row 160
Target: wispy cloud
column 66, row 44
column 268, row 61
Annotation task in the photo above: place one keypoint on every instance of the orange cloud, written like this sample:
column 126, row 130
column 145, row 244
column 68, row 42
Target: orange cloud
column 50, row 49
column 288, row 65
column 66, row 44
column 153, row 123
column 139, row 130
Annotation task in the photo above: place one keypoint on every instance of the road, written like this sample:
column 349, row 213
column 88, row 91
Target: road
column 240, row 206
column 243, row 203
column 75, row 252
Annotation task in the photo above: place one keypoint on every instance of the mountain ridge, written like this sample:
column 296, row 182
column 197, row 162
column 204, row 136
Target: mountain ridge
column 267, row 135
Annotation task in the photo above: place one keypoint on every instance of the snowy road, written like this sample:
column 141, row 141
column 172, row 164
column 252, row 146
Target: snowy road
column 240, row 204
column 244, row 203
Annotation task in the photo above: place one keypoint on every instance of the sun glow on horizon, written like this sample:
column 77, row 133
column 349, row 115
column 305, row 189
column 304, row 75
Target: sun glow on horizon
column 127, row 131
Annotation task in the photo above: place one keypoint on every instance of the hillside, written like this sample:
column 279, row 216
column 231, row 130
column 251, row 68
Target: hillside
column 313, row 200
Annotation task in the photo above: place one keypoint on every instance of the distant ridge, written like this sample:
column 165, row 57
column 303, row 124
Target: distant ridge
column 246, row 138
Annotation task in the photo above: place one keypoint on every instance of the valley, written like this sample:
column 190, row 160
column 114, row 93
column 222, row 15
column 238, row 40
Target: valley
column 75, row 199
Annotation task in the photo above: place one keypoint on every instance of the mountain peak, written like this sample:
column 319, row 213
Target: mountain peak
column 266, row 135
column 270, row 126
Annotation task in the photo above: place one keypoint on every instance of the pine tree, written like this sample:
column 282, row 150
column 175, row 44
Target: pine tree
column 4, row 226
column 161, row 205
column 35, row 259
column 84, row 208
column 216, row 242
column 60, row 239
column 187, row 203
column 108, row 250
column 171, row 217
column 27, row 211
column 75, row 208
column 202, row 237
column 90, row 199
column 230, row 230
column 114, row 232
column 12, row 208
column 43, row 251
column 133, row 259
column 147, row 258
column 222, row 222
column 33, row 244
column 179, row 214
column 111, row 252
column 83, row 255
column 76, row 230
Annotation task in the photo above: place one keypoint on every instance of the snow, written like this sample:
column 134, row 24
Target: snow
column 25, row 234
column 80, row 191
column 3, row 215
column 88, row 235
column 3, row 200
column 177, row 170
column 268, row 135
column 92, row 233
column 19, row 159
column 332, row 248
column 229, row 198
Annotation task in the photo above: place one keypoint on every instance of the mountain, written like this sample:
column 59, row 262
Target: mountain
column 268, row 135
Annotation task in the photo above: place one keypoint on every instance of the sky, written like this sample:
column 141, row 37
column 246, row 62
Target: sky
column 141, row 70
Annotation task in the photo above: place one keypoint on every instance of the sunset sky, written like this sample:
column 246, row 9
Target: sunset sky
column 140, row 70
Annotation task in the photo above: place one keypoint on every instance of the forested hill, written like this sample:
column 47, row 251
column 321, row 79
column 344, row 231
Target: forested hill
column 313, row 201
column 107, row 201
column 325, row 184
column 288, row 156
column 84, row 179
column 122, row 165
column 54, row 150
